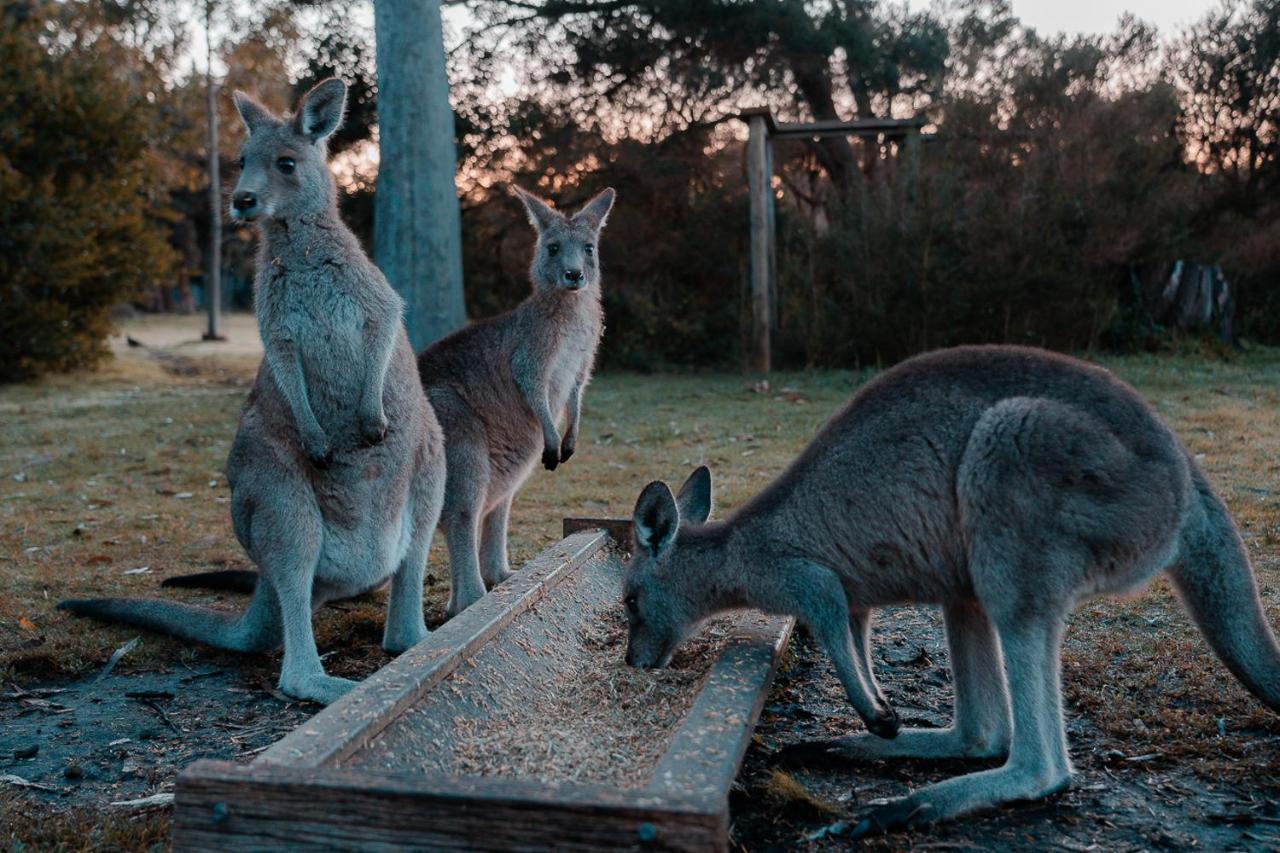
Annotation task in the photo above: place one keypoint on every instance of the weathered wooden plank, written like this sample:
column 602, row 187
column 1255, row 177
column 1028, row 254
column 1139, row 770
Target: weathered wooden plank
column 702, row 761
column 353, row 720
column 222, row 806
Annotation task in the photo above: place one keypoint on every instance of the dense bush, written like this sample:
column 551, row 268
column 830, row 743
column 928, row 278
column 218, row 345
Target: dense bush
column 78, row 194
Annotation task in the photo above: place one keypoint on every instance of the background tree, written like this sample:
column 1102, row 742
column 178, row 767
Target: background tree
column 1227, row 66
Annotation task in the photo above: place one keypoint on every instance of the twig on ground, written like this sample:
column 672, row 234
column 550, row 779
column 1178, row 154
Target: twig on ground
column 116, row 656
column 151, row 802
column 13, row 779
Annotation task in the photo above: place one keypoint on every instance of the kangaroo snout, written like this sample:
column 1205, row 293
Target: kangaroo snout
column 573, row 278
column 244, row 204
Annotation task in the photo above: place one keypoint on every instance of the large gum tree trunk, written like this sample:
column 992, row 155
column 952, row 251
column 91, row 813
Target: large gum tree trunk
column 417, row 239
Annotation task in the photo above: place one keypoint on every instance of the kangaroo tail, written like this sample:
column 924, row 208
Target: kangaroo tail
column 1215, row 581
column 256, row 629
column 233, row 580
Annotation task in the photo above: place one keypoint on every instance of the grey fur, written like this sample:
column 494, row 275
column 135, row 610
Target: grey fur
column 501, row 385
column 1005, row 485
column 337, row 469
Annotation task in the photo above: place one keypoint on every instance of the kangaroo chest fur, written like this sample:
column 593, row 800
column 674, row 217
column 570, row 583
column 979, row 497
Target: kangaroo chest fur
column 571, row 348
column 309, row 292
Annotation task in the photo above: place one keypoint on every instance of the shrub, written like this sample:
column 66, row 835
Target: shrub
column 77, row 188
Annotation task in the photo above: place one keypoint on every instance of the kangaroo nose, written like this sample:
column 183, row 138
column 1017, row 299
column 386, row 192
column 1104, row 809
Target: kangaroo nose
column 243, row 201
column 573, row 276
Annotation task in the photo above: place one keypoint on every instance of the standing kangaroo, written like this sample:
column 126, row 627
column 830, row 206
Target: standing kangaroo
column 500, row 385
column 336, row 471
column 1004, row 484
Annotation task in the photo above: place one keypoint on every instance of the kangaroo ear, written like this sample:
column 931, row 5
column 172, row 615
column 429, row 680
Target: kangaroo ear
column 541, row 215
column 656, row 518
column 254, row 115
column 320, row 111
column 694, row 499
column 596, row 212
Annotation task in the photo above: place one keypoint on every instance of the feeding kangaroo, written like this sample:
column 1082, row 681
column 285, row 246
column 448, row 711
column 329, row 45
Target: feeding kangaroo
column 337, row 468
column 500, row 386
column 1005, row 485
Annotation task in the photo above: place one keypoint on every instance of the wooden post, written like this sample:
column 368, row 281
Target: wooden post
column 213, row 283
column 759, row 182
column 417, row 230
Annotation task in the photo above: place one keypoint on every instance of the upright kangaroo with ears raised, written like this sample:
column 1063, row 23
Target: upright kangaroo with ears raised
column 500, row 386
column 1005, row 485
column 337, row 469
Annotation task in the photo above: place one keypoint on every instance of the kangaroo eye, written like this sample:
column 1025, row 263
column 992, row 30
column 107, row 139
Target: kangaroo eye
column 553, row 248
column 633, row 606
column 286, row 165
column 590, row 249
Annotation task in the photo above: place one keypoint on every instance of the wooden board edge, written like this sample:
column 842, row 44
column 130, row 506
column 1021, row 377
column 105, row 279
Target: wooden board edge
column 346, row 725
column 701, row 763
column 221, row 805
column 619, row 529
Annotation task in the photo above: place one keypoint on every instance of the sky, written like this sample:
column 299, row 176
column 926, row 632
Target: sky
column 1098, row 16
column 1045, row 16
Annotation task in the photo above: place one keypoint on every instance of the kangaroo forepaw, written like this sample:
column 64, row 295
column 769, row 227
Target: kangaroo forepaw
column 373, row 428
column 550, row 458
column 321, row 456
column 566, row 450
column 885, row 723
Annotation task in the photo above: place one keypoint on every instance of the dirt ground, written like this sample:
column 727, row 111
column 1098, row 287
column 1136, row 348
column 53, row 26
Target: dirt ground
column 112, row 481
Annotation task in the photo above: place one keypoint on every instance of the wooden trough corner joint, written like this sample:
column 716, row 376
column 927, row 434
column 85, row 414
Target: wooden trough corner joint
column 401, row 761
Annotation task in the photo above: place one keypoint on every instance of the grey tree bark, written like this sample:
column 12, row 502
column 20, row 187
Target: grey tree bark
column 417, row 237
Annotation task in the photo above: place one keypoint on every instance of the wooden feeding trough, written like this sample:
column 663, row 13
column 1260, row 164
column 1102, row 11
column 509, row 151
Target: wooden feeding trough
column 516, row 725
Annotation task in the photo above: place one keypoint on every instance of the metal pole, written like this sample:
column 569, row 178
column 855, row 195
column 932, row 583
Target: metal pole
column 213, row 284
column 759, row 183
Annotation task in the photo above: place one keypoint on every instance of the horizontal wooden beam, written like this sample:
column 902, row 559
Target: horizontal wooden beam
column 830, row 127
column 860, row 127
column 225, row 806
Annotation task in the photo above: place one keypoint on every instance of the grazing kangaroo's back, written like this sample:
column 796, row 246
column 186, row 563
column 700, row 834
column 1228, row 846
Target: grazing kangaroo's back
column 336, row 471
column 1004, row 484
column 501, row 385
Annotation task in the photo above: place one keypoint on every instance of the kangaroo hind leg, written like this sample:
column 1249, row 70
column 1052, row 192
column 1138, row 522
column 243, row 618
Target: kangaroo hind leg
column 1038, row 764
column 493, row 545
column 406, row 626
column 287, row 540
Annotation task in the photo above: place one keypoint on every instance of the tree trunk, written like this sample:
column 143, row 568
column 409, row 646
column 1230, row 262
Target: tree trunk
column 417, row 237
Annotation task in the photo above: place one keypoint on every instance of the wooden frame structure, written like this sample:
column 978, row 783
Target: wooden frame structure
column 312, row 790
column 762, row 131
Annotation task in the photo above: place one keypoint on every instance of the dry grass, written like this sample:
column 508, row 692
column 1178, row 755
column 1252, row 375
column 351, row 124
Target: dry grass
column 23, row 828
column 106, row 473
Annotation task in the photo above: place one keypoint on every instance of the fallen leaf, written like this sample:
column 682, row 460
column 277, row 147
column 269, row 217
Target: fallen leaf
column 26, row 624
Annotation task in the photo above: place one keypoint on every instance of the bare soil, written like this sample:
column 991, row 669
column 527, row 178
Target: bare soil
column 1209, row 787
